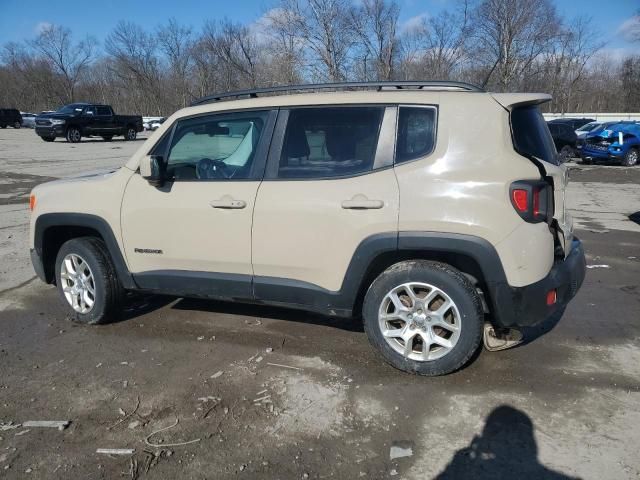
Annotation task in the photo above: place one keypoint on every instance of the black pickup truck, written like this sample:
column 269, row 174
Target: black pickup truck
column 79, row 120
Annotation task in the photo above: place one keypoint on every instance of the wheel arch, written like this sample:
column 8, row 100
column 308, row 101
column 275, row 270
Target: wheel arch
column 471, row 255
column 52, row 230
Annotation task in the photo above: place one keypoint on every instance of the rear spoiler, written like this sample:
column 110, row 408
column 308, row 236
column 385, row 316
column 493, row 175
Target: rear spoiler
column 513, row 100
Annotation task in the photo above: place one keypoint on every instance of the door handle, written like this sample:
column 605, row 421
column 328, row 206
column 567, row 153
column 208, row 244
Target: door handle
column 361, row 202
column 228, row 203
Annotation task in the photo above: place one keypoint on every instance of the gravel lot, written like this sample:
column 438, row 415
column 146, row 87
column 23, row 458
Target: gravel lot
column 272, row 393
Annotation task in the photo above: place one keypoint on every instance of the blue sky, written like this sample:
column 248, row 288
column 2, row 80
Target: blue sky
column 20, row 19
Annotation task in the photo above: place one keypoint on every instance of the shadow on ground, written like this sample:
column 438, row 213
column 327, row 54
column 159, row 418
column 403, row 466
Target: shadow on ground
column 263, row 311
column 505, row 449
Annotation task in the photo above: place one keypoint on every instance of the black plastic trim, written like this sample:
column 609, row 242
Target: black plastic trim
column 47, row 220
column 223, row 286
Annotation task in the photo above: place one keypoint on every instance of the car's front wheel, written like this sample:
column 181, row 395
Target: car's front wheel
column 107, row 138
column 48, row 139
column 73, row 135
column 423, row 317
column 17, row 125
column 87, row 281
column 631, row 158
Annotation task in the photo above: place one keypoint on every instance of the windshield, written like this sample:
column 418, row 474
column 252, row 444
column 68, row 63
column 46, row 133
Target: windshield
column 73, row 108
column 589, row 126
column 531, row 135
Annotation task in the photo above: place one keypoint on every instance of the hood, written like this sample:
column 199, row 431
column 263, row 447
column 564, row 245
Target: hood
column 57, row 115
column 611, row 131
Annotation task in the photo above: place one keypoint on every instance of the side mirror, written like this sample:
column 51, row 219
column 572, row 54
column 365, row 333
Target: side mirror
column 152, row 169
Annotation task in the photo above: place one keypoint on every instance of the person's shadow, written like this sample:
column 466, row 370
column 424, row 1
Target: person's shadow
column 506, row 449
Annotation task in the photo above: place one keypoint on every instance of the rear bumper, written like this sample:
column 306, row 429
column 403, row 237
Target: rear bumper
column 50, row 131
column 527, row 306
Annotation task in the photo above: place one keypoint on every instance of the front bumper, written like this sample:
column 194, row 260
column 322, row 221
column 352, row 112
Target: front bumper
column 38, row 266
column 527, row 306
column 50, row 131
column 601, row 154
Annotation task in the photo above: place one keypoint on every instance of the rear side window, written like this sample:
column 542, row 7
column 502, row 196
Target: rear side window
column 531, row 135
column 104, row 111
column 416, row 133
column 330, row 142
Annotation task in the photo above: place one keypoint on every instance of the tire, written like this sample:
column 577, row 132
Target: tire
column 48, row 139
column 107, row 138
column 566, row 153
column 130, row 134
column 3, row 126
column 631, row 157
column 437, row 279
column 73, row 135
column 108, row 294
column 17, row 125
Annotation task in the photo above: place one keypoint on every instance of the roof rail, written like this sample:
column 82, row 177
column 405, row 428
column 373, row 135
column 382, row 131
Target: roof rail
column 402, row 85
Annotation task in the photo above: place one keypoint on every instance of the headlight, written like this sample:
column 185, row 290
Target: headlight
column 57, row 122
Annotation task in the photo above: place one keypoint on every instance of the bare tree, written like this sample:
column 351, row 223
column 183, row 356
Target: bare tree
column 325, row 27
column 285, row 46
column 176, row 44
column 511, row 35
column 436, row 48
column 375, row 23
column 66, row 58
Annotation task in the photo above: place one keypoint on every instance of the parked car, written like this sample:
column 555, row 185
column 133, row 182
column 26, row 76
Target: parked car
column 564, row 138
column 155, row 124
column 148, row 121
column 574, row 123
column 619, row 142
column 318, row 202
column 79, row 120
column 28, row 120
column 10, row 117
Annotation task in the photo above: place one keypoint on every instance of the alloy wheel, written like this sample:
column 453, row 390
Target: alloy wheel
column 419, row 321
column 78, row 283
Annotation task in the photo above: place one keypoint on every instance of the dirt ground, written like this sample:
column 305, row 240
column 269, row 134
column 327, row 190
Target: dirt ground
column 246, row 391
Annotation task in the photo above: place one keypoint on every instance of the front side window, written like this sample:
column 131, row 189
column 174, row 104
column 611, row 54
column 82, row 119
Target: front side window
column 330, row 142
column 215, row 147
column 416, row 133
column 90, row 110
column 531, row 135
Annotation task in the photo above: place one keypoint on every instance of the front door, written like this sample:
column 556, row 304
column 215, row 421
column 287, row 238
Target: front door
column 193, row 234
column 329, row 187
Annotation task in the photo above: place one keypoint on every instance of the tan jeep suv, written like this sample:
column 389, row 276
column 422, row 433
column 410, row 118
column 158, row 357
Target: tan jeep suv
column 433, row 210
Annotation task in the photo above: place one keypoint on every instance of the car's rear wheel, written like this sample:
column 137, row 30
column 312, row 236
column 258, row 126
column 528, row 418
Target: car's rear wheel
column 48, row 139
column 423, row 317
column 631, row 157
column 130, row 134
column 17, row 125
column 107, row 138
column 87, row 281
column 73, row 135
column 3, row 126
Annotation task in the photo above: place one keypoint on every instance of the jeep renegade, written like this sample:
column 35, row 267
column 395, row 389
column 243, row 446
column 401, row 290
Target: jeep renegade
column 434, row 211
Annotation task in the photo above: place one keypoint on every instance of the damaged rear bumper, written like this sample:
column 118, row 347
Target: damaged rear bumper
column 527, row 306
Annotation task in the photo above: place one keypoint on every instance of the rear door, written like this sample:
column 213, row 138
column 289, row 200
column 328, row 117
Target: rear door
column 104, row 120
column 329, row 186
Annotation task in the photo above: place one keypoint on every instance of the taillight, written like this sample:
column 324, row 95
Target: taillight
column 533, row 200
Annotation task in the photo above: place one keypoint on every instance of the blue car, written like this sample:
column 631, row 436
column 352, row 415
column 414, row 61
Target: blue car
column 619, row 142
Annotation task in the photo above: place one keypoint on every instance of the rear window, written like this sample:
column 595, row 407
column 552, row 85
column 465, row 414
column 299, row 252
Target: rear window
column 330, row 142
column 531, row 135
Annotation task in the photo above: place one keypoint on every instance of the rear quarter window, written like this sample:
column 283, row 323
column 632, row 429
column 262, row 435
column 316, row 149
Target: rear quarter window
column 416, row 133
column 531, row 136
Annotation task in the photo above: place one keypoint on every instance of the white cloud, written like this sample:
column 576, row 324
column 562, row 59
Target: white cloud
column 42, row 26
column 630, row 29
column 414, row 23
